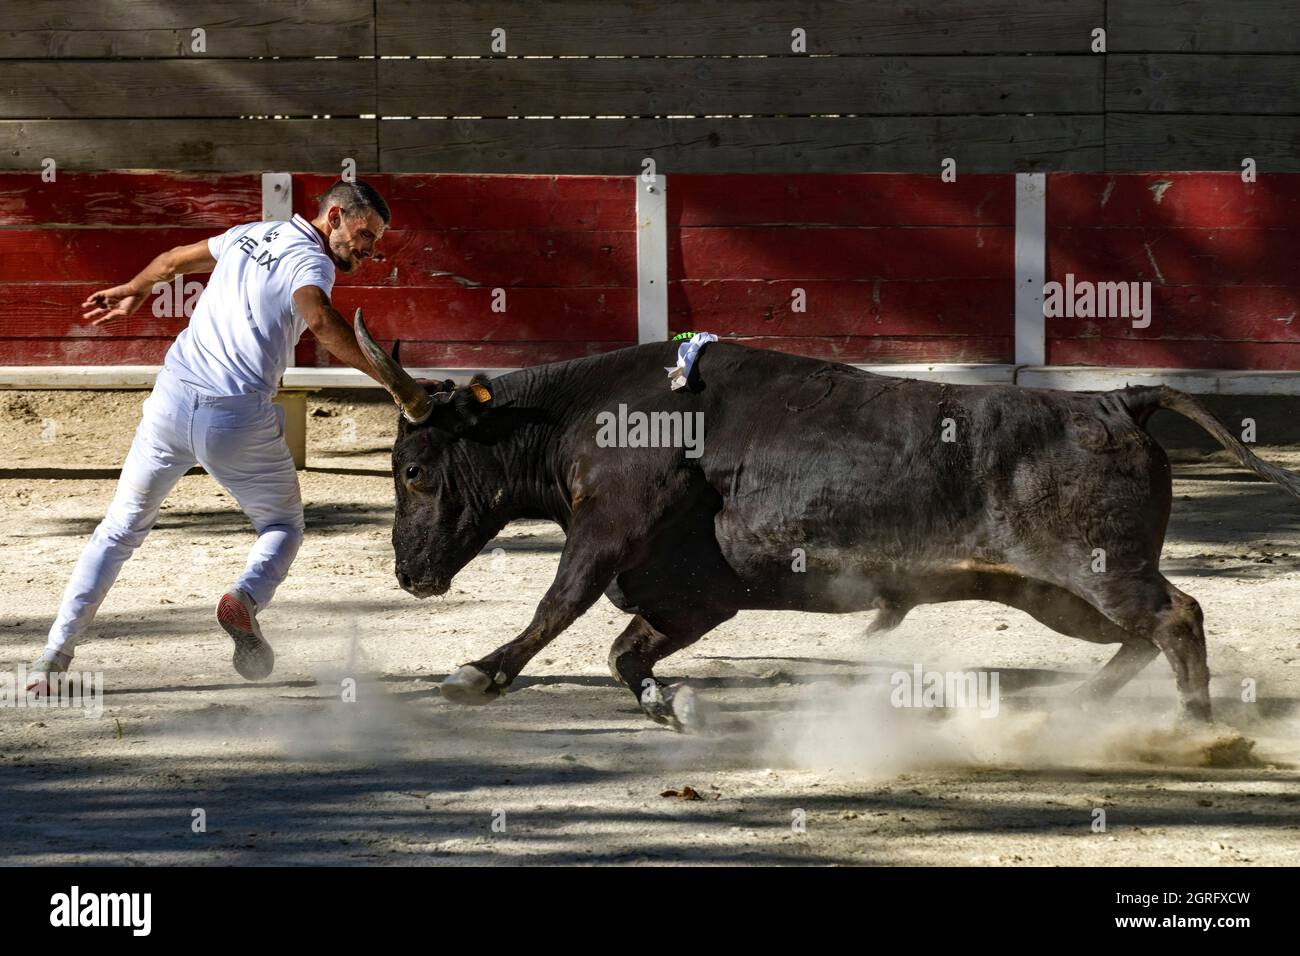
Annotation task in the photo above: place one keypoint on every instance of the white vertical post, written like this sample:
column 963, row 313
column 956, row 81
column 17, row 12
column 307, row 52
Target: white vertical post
column 277, row 205
column 277, row 196
column 652, row 259
column 1031, row 268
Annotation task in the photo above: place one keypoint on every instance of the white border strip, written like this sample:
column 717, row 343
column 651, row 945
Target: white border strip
column 277, row 196
column 1196, row 381
column 652, row 259
column 1031, row 268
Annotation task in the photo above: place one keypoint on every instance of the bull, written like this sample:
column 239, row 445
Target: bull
column 899, row 493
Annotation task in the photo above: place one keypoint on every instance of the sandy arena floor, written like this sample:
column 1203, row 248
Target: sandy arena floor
column 810, row 764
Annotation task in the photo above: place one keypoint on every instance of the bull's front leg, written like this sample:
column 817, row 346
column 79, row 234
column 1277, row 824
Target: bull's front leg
column 586, row 569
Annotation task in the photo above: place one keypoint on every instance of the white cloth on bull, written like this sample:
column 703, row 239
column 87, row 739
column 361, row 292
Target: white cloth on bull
column 687, row 353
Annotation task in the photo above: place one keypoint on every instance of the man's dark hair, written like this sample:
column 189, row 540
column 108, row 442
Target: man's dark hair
column 357, row 196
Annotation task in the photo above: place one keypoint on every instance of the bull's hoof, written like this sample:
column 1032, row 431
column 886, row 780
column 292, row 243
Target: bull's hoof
column 469, row 685
column 1195, row 713
column 676, row 705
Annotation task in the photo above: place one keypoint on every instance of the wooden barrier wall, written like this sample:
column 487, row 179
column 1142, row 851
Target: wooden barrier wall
column 702, row 86
column 1220, row 254
column 890, row 267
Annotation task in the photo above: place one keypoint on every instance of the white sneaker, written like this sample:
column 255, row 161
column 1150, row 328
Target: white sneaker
column 38, row 675
column 237, row 614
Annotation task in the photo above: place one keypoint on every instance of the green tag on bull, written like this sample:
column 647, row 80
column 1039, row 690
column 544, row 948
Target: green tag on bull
column 681, row 335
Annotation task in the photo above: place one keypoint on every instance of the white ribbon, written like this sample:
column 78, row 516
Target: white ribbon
column 687, row 353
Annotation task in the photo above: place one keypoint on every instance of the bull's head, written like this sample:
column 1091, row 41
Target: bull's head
column 449, row 479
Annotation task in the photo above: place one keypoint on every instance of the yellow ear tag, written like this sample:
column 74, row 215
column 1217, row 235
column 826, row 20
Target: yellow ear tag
column 481, row 392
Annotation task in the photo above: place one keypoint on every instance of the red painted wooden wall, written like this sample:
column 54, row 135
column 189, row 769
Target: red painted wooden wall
column 894, row 267
column 63, row 240
column 563, row 249
column 1222, row 256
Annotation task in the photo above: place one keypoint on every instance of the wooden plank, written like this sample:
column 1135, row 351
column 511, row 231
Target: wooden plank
column 1220, row 313
column 84, row 351
column 543, row 315
column 839, row 254
column 502, row 257
column 687, row 27
column 193, row 145
column 840, row 349
column 873, row 349
column 803, row 145
column 88, row 255
column 480, row 202
column 952, row 372
column 977, row 307
column 89, row 89
column 150, row 28
column 1174, row 354
column 45, row 309
column 760, row 86
column 473, row 354
column 1136, row 141
column 1202, row 83
column 1078, row 200
column 129, row 199
column 829, row 199
column 1191, row 256
column 1202, row 26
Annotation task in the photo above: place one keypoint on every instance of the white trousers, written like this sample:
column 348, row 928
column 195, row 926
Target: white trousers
column 239, row 440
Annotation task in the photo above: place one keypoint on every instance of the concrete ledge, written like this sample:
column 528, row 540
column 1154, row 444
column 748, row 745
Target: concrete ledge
column 952, row 373
column 1192, row 380
column 142, row 376
column 78, row 376
column 351, row 378
column 1070, row 377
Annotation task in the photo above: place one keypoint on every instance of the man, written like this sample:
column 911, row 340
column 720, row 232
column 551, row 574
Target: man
column 212, row 404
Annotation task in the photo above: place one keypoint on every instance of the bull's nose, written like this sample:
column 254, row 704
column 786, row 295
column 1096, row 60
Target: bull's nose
column 422, row 587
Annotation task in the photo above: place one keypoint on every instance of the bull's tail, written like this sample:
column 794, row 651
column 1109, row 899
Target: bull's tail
column 1142, row 401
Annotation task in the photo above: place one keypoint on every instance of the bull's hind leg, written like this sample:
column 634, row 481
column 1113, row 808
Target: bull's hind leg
column 1172, row 621
column 1179, row 632
column 641, row 645
column 1071, row 615
column 1127, row 663
column 1062, row 611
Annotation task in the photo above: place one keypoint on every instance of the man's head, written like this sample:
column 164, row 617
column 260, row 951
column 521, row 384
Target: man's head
column 353, row 217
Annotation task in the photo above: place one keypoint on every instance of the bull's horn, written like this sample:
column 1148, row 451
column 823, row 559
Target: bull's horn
column 410, row 396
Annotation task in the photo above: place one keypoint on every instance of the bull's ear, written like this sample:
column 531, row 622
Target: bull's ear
column 472, row 402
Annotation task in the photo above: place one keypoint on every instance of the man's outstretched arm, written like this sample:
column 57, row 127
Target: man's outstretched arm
column 108, row 305
column 330, row 328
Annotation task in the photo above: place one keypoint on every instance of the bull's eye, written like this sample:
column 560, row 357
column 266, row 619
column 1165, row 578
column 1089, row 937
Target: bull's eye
column 413, row 472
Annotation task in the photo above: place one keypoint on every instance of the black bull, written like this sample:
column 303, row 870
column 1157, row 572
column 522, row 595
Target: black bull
column 895, row 492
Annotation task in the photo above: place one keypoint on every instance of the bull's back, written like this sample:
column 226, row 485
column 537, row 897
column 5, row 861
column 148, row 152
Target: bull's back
column 863, row 469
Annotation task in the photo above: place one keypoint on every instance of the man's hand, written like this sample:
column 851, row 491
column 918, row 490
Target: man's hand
column 112, row 305
column 109, row 305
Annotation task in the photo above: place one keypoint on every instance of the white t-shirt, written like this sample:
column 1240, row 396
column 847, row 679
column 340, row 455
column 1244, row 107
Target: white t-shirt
column 244, row 328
